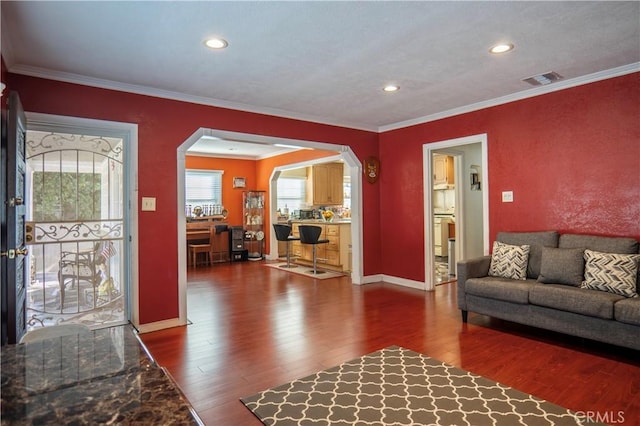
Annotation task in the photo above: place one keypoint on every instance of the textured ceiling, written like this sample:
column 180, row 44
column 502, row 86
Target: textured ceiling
column 324, row 61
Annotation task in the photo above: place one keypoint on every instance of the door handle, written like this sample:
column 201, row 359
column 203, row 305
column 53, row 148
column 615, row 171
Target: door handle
column 11, row 253
column 22, row 251
column 15, row 201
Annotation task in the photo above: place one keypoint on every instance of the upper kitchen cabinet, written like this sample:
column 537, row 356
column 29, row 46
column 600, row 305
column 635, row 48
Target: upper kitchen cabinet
column 326, row 181
column 443, row 175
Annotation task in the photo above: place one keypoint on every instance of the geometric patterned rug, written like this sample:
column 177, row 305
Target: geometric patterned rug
column 397, row 386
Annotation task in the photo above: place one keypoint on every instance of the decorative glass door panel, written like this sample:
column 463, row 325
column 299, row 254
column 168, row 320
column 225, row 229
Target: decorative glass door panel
column 75, row 225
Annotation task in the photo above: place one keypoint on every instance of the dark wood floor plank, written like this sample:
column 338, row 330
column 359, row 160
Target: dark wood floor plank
column 255, row 327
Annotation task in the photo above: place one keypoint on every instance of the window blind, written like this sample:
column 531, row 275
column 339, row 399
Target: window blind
column 203, row 187
column 291, row 193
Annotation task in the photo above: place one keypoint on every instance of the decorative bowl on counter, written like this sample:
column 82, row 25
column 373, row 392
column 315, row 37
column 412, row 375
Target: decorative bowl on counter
column 327, row 215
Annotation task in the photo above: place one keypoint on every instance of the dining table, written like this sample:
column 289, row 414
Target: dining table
column 106, row 376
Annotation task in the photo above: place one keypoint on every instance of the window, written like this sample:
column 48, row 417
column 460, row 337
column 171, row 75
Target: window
column 291, row 193
column 203, row 188
column 346, row 185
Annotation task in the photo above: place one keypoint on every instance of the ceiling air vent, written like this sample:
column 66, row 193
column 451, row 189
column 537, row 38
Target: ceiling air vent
column 543, row 79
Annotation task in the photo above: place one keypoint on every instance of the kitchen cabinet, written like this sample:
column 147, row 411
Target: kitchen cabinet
column 443, row 171
column 325, row 184
column 334, row 255
column 253, row 213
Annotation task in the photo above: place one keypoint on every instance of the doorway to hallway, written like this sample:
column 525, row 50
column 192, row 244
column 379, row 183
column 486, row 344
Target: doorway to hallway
column 457, row 204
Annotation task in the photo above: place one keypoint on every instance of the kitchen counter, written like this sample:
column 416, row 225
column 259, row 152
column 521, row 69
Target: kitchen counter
column 335, row 254
column 103, row 377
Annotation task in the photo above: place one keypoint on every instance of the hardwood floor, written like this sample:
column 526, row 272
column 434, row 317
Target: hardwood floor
column 255, row 327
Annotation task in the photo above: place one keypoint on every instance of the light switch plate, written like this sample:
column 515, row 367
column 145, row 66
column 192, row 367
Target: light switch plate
column 148, row 204
column 507, row 196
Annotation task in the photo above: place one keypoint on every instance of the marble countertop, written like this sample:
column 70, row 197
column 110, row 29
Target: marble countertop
column 105, row 377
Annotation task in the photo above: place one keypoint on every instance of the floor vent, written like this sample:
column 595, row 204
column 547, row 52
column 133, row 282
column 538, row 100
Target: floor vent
column 543, row 79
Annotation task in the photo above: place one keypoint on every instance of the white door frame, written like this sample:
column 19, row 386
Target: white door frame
column 355, row 171
column 129, row 133
column 427, row 155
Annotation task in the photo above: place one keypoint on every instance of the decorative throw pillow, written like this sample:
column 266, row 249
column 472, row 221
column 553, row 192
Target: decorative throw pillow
column 562, row 266
column 509, row 261
column 614, row 273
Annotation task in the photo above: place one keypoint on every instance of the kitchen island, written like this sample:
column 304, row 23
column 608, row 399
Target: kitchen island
column 103, row 377
column 334, row 255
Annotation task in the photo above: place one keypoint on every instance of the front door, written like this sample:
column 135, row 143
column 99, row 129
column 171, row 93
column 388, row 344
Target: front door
column 76, row 227
column 12, row 240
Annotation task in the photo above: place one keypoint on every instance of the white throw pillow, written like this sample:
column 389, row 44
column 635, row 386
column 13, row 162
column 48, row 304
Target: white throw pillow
column 610, row 272
column 509, row 261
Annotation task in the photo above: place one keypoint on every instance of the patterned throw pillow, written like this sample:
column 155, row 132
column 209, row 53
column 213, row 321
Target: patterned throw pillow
column 614, row 273
column 509, row 261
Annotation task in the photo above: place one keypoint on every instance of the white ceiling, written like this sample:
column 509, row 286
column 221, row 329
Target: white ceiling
column 324, row 61
column 243, row 150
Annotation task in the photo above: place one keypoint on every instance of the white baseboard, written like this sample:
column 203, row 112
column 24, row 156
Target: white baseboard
column 371, row 279
column 160, row 325
column 393, row 280
column 419, row 285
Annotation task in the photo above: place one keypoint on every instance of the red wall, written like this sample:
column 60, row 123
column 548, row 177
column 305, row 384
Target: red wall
column 571, row 158
column 163, row 125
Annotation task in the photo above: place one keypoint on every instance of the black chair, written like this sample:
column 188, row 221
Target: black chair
column 310, row 234
column 283, row 233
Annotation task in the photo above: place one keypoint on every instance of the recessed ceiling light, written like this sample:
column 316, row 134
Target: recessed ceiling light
column 391, row 88
column 216, row 43
column 501, row 48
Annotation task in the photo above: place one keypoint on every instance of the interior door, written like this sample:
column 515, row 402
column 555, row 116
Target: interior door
column 12, row 242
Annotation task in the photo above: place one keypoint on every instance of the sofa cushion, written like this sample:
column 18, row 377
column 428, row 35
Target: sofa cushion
column 601, row 244
column 535, row 240
column 515, row 291
column 562, row 266
column 628, row 311
column 509, row 261
column 572, row 299
column 614, row 273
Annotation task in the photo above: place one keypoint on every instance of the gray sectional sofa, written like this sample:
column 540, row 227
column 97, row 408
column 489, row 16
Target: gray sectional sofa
column 553, row 294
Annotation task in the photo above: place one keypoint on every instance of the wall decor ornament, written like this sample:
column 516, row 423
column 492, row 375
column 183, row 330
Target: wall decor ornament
column 239, row 182
column 372, row 169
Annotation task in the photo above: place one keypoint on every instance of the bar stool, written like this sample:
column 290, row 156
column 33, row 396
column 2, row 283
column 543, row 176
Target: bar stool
column 310, row 234
column 283, row 233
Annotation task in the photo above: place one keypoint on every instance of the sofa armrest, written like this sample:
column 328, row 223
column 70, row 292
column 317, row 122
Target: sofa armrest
column 470, row 268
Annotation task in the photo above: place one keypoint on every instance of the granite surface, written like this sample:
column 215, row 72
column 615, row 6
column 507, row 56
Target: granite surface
column 105, row 377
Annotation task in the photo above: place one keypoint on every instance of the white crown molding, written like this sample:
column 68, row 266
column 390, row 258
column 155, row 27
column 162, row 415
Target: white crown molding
column 149, row 91
column 167, row 94
column 542, row 90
